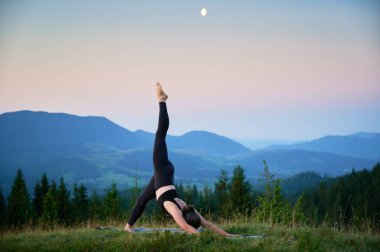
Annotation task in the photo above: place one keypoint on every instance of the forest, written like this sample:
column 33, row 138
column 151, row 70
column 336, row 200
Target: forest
column 346, row 202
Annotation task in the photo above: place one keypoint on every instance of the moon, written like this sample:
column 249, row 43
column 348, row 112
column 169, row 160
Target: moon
column 204, row 12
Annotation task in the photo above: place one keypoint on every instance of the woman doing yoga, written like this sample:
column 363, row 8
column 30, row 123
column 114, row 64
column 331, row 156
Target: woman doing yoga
column 162, row 187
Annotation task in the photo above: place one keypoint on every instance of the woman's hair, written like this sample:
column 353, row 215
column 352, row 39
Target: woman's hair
column 191, row 217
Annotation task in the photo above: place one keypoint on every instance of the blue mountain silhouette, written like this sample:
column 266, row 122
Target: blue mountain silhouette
column 95, row 151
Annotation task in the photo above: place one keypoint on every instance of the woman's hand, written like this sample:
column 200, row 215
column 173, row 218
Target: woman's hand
column 129, row 229
column 232, row 235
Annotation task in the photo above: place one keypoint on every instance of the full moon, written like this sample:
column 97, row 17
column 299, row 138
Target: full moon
column 204, row 12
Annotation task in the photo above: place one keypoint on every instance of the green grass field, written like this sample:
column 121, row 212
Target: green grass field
column 276, row 238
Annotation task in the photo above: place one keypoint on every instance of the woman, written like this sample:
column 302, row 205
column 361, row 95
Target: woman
column 162, row 187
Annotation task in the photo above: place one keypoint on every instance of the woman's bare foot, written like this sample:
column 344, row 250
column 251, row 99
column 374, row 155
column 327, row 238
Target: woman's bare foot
column 129, row 229
column 161, row 96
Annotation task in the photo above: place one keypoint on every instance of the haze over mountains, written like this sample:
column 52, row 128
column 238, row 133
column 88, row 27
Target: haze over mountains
column 97, row 152
column 361, row 144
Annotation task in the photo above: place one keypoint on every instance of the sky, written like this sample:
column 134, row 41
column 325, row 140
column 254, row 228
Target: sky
column 266, row 69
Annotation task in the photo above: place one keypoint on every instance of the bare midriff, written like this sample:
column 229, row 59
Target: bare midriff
column 163, row 189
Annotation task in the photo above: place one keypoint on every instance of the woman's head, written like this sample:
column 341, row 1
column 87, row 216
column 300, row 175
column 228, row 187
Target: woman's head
column 191, row 217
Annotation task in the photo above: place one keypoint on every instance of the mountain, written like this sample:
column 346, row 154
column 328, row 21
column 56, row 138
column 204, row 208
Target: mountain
column 53, row 132
column 285, row 163
column 257, row 143
column 95, row 151
column 27, row 130
column 361, row 145
column 201, row 143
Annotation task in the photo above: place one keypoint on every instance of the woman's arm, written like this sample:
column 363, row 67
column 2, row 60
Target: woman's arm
column 208, row 225
column 178, row 218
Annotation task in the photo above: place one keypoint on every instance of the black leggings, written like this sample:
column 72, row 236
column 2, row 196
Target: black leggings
column 163, row 168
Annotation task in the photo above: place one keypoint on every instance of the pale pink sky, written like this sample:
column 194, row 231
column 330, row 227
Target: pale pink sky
column 261, row 70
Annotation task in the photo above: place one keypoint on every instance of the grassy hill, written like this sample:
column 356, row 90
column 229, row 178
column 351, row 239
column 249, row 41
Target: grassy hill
column 276, row 238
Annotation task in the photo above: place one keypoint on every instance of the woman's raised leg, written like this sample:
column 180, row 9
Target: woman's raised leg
column 160, row 151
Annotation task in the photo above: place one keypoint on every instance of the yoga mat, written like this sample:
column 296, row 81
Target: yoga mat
column 146, row 230
column 172, row 230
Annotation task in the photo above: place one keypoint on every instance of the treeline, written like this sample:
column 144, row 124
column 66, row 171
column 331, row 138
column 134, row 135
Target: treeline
column 53, row 203
column 348, row 201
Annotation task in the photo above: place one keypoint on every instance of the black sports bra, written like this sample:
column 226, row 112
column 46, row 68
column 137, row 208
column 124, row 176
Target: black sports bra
column 167, row 196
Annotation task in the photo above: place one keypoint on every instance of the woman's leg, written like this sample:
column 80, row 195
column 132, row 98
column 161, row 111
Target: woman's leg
column 160, row 158
column 148, row 194
column 160, row 151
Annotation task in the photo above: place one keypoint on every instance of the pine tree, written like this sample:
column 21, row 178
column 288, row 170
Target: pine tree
column 18, row 207
column 95, row 206
column 62, row 202
column 240, row 190
column 53, row 187
column 221, row 188
column 75, row 212
column 207, row 200
column 44, row 185
column 280, row 208
column 40, row 190
column 2, row 207
column 112, row 202
column 267, row 178
column 37, row 200
column 298, row 216
column 180, row 190
column 80, row 203
column 188, row 195
column 277, row 196
column 265, row 201
column 195, row 195
column 50, row 205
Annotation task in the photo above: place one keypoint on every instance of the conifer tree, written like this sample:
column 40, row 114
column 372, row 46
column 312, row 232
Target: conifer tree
column 277, row 196
column 267, row 178
column 18, row 207
column 221, row 192
column 195, row 195
column 240, row 190
column 53, row 187
column 95, row 206
column 188, row 194
column 37, row 200
column 75, row 212
column 44, row 185
column 181, row 190
column 265, row 201
column 50, row 205
column 2, row 207
column 298, row 216
column 112, row 202
column 280, row 208
column 40, row 190
column 80, row 203
column 62, row 202
column 206, row 200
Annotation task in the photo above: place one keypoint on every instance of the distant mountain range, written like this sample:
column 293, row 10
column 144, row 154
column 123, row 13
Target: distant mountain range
column 361, row 145
column 97, row 152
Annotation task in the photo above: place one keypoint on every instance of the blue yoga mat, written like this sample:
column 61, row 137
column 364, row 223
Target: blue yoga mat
column 172, row 230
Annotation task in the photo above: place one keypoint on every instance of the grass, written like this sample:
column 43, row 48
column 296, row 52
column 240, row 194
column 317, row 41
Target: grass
column 276, row 238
